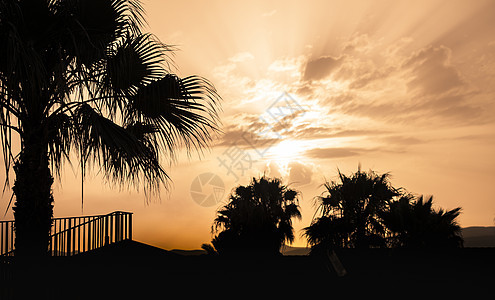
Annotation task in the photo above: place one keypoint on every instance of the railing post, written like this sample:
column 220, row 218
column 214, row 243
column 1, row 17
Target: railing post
column 121, row 226
column 6, row 237
column 107, row 239
column 1, row 240
column 73, row 236
column 117, row 227
column 12, row 235
column 101, row 226
column 55, row 245
column 125, row 231
column 84, row 236
column 68, row 238
column 130, row 226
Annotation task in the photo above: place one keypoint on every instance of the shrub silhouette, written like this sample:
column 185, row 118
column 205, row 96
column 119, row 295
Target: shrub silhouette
column 363, row 210
column 417, row 225
column 348, row 212
column 257, row 220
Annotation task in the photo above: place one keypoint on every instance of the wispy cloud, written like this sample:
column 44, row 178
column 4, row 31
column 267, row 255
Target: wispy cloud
column 431, row 71
column 327, row 153
column 321, row 67
column 241, row 57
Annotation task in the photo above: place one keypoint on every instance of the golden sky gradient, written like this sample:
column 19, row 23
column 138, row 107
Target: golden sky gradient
column 405, row 87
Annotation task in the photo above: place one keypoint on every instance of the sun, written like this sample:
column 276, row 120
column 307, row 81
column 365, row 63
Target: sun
column 286, row 151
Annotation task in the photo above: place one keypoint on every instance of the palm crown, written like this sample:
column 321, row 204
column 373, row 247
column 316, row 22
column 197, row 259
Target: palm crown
column 416, row 224
column 258, row 217
column 80, row 75
column 349, row 212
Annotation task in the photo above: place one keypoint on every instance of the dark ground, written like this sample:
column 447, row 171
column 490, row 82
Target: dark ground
column 132, row 270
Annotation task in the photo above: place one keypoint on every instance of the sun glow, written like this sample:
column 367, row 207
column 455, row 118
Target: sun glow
column 286, row 151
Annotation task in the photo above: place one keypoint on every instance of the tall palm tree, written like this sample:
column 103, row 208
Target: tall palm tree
column 257, row 219
column 417, row 225
column 80, row 76
column 347, row 214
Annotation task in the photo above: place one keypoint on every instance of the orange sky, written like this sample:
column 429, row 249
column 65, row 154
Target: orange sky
column 404, row 87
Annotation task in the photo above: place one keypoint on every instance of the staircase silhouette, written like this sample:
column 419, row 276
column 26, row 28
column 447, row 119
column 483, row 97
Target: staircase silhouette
column 73, row 235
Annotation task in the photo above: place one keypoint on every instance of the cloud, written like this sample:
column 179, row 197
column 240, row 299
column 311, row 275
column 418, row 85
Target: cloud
column 299, row 173
column 358, row 43
column 273, row 170
column 359, row 94
column 454, row 108
column 250, row 132
column 284, row 125
column 286, row 64
column 401, row 140
column 295, row 174
column 325, row 153
column 321, row 67
column 241, row 57
column 385, row 112
column 432, row 72
column 420, row 87
column 223, row 71
column 307, row 131
column 356, row 132
column 363, row 80
column 245, row 137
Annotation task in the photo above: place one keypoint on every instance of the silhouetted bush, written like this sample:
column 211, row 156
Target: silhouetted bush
column 257, row 220
column 365, row 211
column 348, row 212
column 417, row 225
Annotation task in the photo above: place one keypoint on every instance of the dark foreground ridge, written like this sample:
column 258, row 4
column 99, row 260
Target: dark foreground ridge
column 133, row 270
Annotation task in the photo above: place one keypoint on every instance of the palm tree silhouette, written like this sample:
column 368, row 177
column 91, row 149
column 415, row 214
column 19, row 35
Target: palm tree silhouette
column 417, row 225
column 81, row 76
column 257, row 219
column 347, row 214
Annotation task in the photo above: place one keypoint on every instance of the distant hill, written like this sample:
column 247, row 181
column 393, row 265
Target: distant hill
column 478, row 236
column 188, row 252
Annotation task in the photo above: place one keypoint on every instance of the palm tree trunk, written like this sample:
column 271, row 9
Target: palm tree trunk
column 33, row 208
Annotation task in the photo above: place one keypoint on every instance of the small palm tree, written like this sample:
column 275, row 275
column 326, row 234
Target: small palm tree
column 417, row 225
column 347, row 214
column 257, row 219
column 81, row 76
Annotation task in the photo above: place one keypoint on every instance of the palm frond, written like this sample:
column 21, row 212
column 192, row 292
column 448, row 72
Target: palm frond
column 60, row 133
column 130, row 16
column 185, row 111
column 20, row 62
column 123, row 155
column 89, row 27
column 134, row 62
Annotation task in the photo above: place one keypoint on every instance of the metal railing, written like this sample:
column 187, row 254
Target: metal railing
column 72, row 235
column 7, row 236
